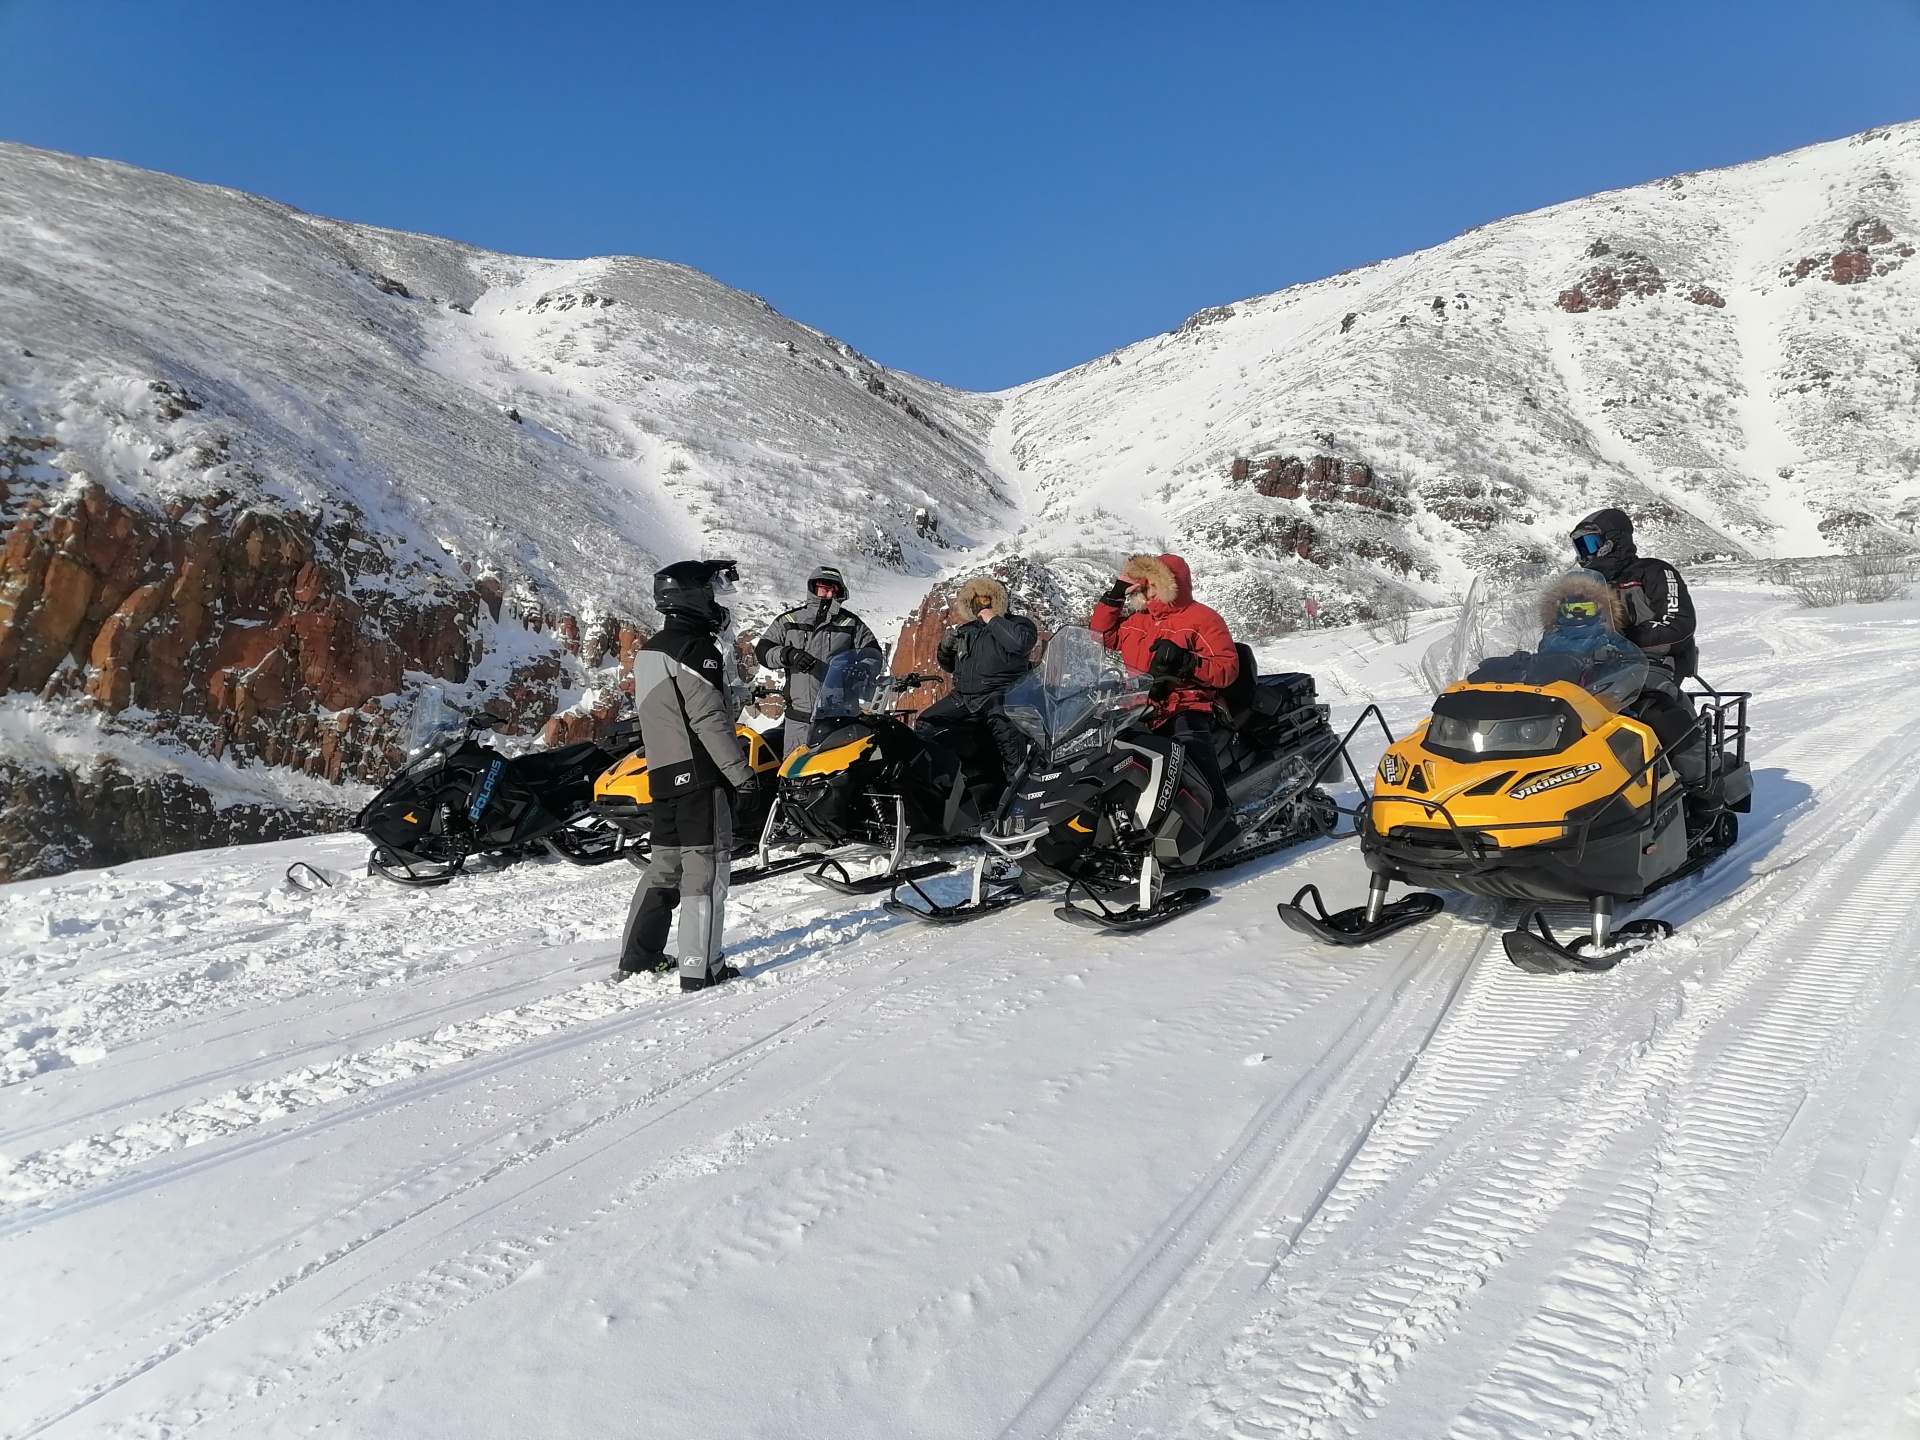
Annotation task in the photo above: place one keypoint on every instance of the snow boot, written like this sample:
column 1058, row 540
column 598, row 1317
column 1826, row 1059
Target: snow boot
column 719, row 975
column 631, row 965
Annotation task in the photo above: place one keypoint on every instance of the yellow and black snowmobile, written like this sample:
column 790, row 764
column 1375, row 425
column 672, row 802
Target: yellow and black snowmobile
column 866, row 785
column 622, row 797
column 1532, row 780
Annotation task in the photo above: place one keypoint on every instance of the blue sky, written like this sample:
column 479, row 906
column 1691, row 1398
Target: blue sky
column 980, row 193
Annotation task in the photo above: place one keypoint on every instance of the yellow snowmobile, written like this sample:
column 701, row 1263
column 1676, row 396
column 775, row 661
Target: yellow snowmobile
column 1532, row 781
column 867, row 785
column 622, row 797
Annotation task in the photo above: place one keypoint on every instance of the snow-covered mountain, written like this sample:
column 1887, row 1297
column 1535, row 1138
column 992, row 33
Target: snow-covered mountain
column 270, row 478
column 1732, row 356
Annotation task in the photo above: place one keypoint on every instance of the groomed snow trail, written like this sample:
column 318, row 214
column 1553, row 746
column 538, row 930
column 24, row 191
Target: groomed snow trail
column 385, row 1164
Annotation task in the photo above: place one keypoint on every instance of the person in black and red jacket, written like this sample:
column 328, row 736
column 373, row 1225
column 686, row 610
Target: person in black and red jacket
column 1659, row 611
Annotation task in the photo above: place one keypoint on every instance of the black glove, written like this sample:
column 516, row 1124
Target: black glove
column 798, row 661
column 1116, row 595
column 1172, row 661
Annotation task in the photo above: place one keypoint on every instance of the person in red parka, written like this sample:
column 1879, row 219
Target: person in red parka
column 1152, row 619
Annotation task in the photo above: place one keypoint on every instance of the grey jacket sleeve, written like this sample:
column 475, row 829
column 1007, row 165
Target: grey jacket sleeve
column 863, row 637
column 708, row 719
column 771, row 642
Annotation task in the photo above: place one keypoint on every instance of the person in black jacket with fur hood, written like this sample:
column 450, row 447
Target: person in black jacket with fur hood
column 985, row 651
column 1658, row 610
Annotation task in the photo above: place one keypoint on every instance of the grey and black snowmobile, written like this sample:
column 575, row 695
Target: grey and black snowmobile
column 1112, row 811
column 457, row 798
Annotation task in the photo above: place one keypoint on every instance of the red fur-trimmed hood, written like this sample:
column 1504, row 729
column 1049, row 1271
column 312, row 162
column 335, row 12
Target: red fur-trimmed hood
column 1166, row 577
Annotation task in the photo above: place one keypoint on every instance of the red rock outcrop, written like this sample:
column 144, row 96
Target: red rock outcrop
column 243, row 629
column 1603, row 287
column 1868, row 248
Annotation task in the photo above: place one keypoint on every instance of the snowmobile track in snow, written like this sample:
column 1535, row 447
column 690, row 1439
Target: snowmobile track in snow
column 1513, row 1165
column 1319, row 1118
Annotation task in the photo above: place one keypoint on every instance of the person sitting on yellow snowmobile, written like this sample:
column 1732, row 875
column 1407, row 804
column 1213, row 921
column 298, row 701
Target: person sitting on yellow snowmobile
column 802, row 641
column 1581, row 618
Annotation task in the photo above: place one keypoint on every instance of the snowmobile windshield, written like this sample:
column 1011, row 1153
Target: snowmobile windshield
column 1610, row 669
column 852, row 685
column 1080, row 695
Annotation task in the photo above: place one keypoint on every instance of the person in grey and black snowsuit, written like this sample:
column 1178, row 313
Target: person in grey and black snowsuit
column 694, row 766
column 1657, row 610
column 805, row 638
column 985, row 651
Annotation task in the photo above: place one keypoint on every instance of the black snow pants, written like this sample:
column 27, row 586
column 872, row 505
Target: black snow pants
column 979, row 737
column 692, row 858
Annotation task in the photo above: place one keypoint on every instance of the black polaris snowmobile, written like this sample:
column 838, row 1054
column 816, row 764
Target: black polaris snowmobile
column 1532, row 782
column 457, row 798
column 1112, row 811
column 866, row 785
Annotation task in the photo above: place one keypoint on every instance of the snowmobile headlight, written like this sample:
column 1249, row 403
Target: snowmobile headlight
column 1536, row 733
column 1086, row 740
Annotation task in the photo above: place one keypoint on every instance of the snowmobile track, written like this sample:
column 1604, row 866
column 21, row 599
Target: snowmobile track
column 1321, row 1115
column 1513, row 1164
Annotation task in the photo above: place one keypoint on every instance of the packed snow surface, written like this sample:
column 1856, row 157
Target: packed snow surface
column 376, row 1163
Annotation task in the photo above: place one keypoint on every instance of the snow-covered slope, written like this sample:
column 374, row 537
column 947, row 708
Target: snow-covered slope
column 344, row 368
column 270, row 478
column 378, row 1163
column 1734, row 356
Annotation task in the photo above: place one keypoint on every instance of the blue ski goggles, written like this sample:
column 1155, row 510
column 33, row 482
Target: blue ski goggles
column 1590, row 544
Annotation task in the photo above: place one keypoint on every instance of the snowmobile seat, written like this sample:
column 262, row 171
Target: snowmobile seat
column 1234, row 705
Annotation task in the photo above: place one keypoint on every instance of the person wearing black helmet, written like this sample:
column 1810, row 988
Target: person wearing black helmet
column 805, row 638
column 1659, row 611
column 1656, row 614
column 685, row 702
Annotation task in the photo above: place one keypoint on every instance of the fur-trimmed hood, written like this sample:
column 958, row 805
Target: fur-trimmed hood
column 980, row 587
column 1167, row 578
column 1583, row 585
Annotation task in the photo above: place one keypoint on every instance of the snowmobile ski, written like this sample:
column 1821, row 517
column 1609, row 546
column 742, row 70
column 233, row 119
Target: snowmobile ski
column 311, row 879
column 1360, row 925
column 748, row 874
column 1537, row 950
column 992, row 892
column 874, row 884
column 1134, row 918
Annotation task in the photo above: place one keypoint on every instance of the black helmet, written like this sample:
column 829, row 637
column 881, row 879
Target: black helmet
column 690, row 589
column 827, row 575
column 1604, row 541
